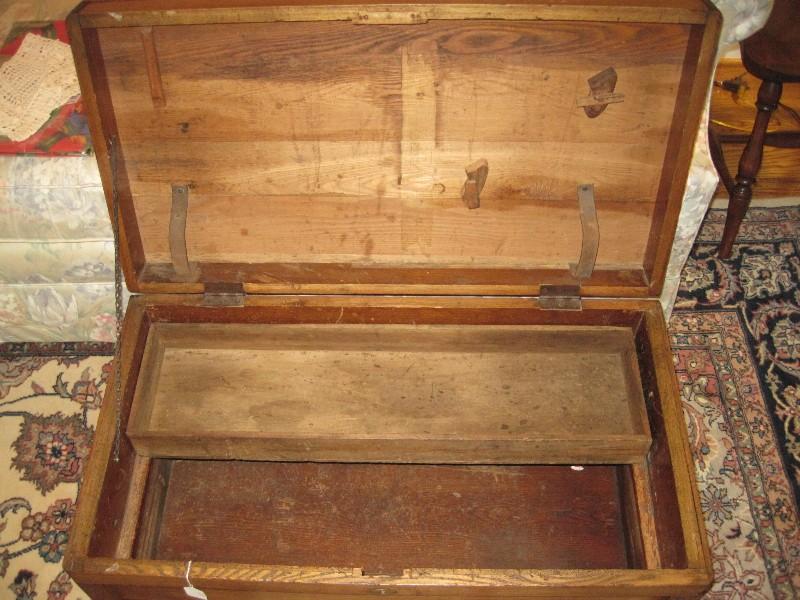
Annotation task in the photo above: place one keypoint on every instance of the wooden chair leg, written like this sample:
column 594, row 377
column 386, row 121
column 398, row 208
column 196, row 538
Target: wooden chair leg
column 718, row 158
column 739, row 199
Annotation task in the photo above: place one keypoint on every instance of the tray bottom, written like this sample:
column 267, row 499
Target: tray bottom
column 384, row 518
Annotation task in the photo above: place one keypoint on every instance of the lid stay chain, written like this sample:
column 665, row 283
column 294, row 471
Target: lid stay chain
column 115, row 217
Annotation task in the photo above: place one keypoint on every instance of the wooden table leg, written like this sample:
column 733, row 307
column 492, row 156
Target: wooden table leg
column 739, row 199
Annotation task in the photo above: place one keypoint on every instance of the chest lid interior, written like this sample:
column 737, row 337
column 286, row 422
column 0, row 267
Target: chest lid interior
column 389, row 148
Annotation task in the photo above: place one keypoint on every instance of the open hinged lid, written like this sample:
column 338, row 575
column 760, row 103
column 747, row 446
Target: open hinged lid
column 394, row 148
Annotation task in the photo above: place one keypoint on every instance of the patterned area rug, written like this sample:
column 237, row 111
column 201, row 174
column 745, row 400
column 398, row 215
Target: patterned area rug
column 49, row 396
column 736, row 338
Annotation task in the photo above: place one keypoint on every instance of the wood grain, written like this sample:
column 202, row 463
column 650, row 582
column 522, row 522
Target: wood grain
column 385, row 519
column 391, row 393
column 94, row 493
column 147, row 12
column 702, row 48
column 102, row 125
column 326, row 146
column 377, row 171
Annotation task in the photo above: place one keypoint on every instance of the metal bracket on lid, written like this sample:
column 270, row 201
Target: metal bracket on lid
column 560, row 297
column 590, row 229
column 567, row 296
column 184, row 270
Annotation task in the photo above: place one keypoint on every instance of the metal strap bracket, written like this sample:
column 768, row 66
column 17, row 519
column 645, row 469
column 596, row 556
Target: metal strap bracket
column 590, row 239
column 567, row 296
column 184, row 270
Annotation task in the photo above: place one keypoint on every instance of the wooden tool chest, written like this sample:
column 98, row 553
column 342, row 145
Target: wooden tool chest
column 395, row 328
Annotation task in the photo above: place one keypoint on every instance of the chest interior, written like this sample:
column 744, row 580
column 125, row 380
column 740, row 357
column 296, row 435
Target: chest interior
column 352, row 229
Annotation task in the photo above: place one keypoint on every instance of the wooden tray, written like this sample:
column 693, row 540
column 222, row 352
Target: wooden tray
column 263, row 528
column 391, row 393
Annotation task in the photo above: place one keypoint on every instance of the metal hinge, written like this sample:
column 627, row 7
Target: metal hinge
column 560, row 297
column 223, row 294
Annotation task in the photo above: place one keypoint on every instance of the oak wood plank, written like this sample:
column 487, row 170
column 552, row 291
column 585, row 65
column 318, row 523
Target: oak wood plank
column 697, row 71
column 147, row 12
column 133, row 338
column 331, row 131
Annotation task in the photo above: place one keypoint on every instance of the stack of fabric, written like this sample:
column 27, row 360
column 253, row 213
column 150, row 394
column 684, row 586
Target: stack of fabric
column 56, row 250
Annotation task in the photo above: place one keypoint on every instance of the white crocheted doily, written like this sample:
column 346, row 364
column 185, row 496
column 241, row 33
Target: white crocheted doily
column 34, row 82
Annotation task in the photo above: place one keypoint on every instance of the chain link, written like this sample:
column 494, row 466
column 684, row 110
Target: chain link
column 112, row 153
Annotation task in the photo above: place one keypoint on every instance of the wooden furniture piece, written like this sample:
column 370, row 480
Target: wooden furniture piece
column 732, row 98
column 396, row 327
column 773, row 55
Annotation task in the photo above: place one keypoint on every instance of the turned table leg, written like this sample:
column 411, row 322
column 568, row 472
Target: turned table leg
column 739, row 200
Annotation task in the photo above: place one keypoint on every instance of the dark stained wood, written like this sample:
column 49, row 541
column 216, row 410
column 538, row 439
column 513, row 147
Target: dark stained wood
column 660, row 473
column 300, row 311
column 355, row 278
column 778, row 176
column 718, row 158
column 773, row 53
column 387, row 518
column 732, row 117
column 103, row 127
column 155, row 494
column 769, row 95
column 733, row 97
column 702, row 46
column 115, row 497
column 632, row 518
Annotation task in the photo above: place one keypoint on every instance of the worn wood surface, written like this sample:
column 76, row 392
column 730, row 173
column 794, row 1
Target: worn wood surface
column 98, row 566
column 340, row 168
column 701, row 43
column 106, row 487
column 372, row 153
column 384, row 519
column 396, row 393
column 102, row 124
column 116, row 13
column 308, row 143
column 670, row 462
